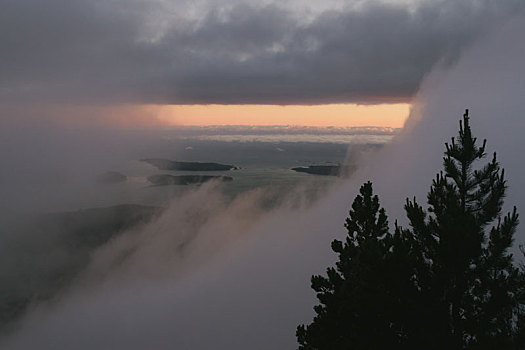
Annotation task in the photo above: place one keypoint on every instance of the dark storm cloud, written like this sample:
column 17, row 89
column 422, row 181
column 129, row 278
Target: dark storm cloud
column 221, row 52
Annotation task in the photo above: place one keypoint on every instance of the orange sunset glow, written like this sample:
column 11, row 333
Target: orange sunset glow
column 339, row 115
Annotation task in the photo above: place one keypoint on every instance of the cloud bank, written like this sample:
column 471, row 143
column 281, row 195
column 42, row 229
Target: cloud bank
column 231, row 52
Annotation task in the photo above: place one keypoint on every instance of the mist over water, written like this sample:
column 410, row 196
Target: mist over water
column 216, row 272
column 49, row 168
column 42, row 254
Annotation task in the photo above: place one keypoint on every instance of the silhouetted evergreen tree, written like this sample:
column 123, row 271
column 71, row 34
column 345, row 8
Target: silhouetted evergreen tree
column 446, row 282
column 363, row 294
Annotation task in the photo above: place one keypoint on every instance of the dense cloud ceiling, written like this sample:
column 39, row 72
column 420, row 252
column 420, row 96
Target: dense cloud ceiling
column 229, row 52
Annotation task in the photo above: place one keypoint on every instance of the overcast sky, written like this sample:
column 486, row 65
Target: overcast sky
column 231, row 52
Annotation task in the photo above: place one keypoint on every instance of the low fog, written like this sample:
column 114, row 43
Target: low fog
column 211, row 272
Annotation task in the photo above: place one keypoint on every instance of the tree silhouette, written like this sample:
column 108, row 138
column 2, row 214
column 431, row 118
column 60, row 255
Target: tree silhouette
column 446, row 281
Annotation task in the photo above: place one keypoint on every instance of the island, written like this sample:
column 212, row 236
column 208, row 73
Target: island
column 166, row 180
column 329, row 170
column 166, row 164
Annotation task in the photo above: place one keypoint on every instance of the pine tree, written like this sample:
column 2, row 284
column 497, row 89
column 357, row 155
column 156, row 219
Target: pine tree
column 447, row 281
column 466, row 273
column 358, row 297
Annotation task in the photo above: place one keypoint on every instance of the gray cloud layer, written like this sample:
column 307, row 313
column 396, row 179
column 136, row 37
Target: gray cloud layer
column 231, row 52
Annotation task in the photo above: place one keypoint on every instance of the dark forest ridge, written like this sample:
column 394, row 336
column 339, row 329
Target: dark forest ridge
column 166, row 164
column 73, row 237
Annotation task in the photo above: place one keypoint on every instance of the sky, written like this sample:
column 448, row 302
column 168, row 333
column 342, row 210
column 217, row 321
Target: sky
column 339, row 115
column 160, row 62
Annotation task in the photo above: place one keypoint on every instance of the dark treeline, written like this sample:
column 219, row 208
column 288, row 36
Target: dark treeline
column 448, row 281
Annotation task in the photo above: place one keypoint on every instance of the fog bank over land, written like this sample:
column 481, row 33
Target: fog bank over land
column 489, row 81
column 216, row 274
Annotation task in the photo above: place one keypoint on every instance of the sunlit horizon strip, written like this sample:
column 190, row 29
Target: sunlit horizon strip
column 336, row 115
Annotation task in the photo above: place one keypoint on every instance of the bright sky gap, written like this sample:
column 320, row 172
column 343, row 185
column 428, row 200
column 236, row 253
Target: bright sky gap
column 340, row 115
